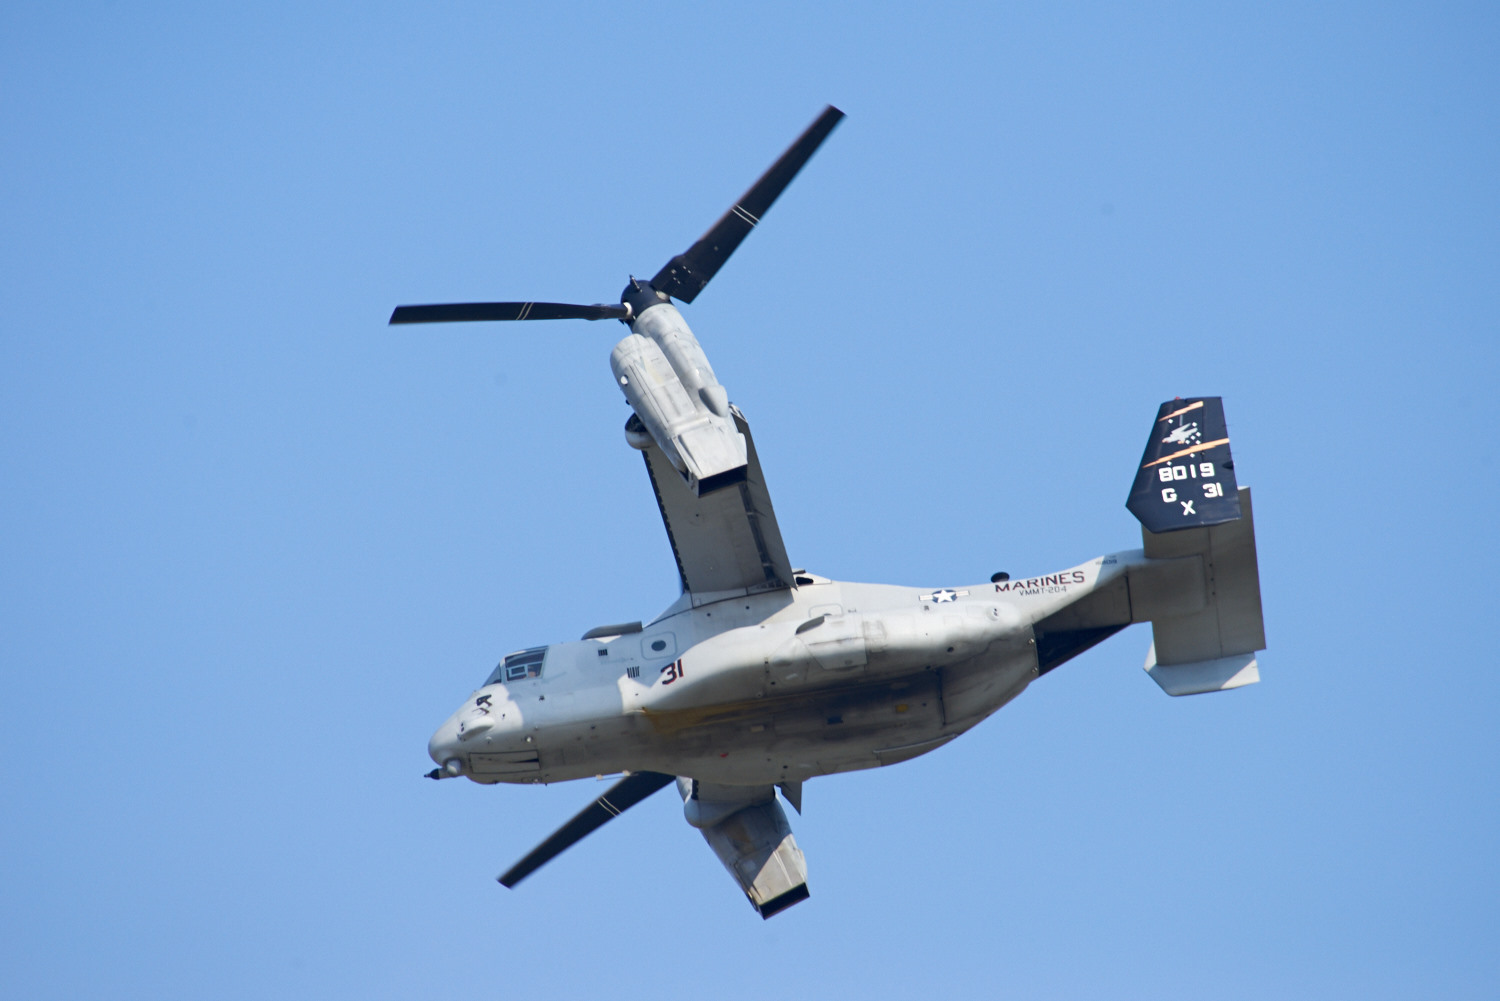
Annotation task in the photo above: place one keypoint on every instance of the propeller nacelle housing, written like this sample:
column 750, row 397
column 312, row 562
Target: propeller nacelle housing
column 669, row 383
column 659, row 366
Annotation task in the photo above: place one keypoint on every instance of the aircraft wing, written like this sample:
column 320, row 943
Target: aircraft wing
column 727, row 539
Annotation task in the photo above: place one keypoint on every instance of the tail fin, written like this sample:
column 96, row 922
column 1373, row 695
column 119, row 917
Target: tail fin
column 1186, row 477
column 1192, row 511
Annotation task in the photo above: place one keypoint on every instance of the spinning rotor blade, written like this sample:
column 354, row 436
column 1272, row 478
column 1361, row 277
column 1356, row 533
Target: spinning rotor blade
column 621, row 796
column 458, row 311
column 685, row 275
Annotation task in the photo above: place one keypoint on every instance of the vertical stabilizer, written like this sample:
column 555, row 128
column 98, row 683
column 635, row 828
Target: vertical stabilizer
column 1200, row 588
column 1186, row 476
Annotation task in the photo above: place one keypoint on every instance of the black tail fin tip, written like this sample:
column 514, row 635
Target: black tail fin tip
column 1186, row 476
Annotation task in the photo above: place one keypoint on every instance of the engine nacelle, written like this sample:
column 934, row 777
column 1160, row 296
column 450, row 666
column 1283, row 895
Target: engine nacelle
column 664, row 374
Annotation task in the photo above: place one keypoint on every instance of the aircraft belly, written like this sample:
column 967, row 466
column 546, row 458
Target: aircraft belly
column 791, row 739
column 977, row 688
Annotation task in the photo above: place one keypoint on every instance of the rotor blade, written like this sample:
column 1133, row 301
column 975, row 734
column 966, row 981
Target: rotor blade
column 457, row 311
column 621, row 796
column 685, row 275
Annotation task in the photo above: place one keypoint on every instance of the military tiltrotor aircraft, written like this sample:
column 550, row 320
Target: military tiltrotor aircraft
column 760, row 676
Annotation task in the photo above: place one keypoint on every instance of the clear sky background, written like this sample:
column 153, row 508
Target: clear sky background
column 256, row 546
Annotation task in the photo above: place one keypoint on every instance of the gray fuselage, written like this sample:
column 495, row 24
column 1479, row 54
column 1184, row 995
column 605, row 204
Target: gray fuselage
column 767, row 688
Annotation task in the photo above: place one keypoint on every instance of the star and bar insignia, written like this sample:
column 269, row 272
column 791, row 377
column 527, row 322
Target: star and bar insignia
column 944, row 595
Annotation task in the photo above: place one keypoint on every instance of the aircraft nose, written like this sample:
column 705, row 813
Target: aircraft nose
column 443, row 749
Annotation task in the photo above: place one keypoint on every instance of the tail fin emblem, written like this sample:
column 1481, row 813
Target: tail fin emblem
column 1186, row 434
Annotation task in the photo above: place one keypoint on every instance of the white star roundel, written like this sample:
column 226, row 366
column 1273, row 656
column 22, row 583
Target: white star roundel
column 946, row 594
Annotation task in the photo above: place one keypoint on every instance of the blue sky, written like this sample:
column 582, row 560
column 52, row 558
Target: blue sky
column 256, row 545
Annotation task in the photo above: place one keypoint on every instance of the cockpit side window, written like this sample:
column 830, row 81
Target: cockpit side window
column 519, row 666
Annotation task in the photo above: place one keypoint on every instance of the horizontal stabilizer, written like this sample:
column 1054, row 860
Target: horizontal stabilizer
column 1205, row 675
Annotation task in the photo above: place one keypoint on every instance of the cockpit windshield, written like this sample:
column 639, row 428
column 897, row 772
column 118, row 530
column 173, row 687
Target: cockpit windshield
column 518, row 666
